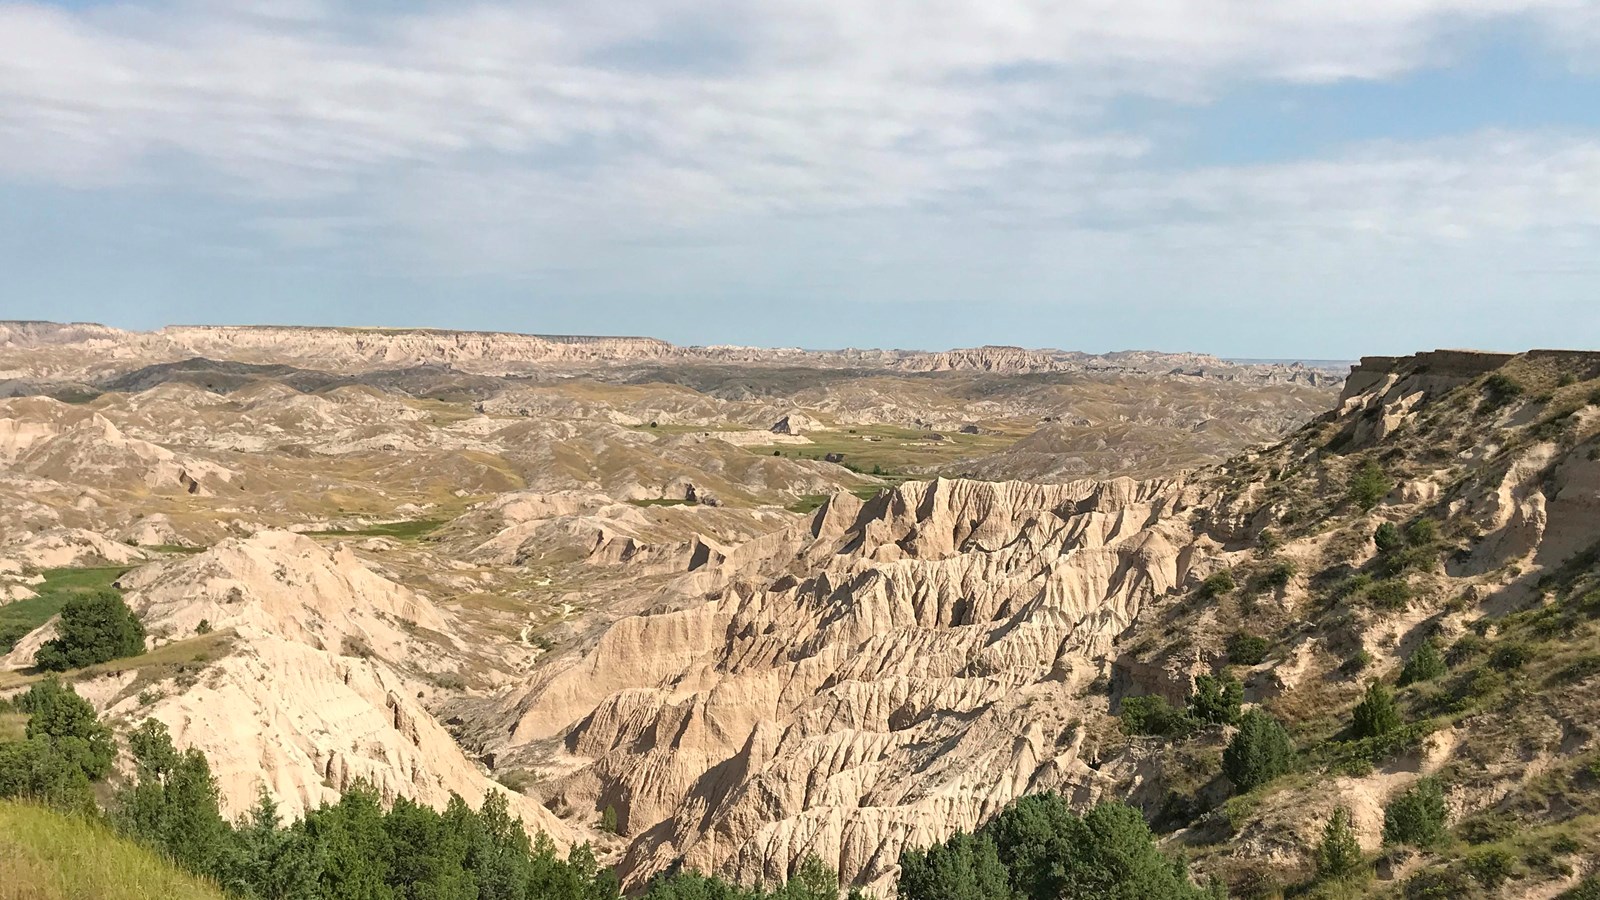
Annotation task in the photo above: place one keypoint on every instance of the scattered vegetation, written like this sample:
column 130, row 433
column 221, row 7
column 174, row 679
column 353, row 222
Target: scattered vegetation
column 1218, row 584
column 19, row 618
column 1246, row 649
column 411, row 529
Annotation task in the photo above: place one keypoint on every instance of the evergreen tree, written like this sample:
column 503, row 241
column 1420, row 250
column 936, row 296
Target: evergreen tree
column 1376, row 714
column 1216, row 699
column 1417, row 816
column 358, row 854
column 1258, row 753
column 269, row 862
column 1339, row 854
column 1426, row 663
column 173, row 803
column 963, row 868
column 67, row 724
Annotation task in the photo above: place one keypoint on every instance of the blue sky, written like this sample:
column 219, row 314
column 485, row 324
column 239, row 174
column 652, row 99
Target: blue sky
column 1285, row 179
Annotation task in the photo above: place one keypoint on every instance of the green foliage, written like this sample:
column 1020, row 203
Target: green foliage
column 608, row 820
column 1246, row 649
column 1218, row 584
column 1422, row 533
column 1417, row 816
column 966, row 867
column 1437, row 884
column 64, row 748
column 1339, row 853
column 94, row 627
column 1047, row 852
column 1510, row 656
column 1258, row 753
column 1499, row 390
column 1368, row 486
column 172, row 804
column 19, row 618
column 1391, row 593
column 1388, row 537
column 1490, row 866
column 1588, row 888
column 1153, row 715
column 1424, row 664
column 1376, row 714
column 1216, row 699
column 1279, row 574
column 67, row 723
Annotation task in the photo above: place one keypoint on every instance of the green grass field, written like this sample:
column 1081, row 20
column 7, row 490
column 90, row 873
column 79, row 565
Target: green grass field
column 23, row 616
column 45, row 855
column 896, row 451
column 405, row 531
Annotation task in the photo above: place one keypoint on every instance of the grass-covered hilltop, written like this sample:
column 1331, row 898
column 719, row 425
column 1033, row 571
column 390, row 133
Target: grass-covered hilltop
column 1361, row 660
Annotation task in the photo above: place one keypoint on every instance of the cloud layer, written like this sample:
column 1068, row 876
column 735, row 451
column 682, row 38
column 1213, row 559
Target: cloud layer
column 684, row 137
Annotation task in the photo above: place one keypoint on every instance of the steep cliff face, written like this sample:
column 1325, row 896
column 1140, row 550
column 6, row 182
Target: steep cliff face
column 882, row 675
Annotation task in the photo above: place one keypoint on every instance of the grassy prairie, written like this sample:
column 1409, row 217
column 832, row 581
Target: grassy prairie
column 23, row 616
column 45, row 855
column 891, row 449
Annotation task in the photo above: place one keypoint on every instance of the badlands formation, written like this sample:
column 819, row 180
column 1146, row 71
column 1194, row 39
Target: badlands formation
column 759, row 605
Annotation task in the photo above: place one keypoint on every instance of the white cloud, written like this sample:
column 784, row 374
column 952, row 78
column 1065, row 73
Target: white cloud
column 505, row 134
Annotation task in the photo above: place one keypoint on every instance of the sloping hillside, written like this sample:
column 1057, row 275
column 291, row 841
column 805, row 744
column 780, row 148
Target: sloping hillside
column 47, row 855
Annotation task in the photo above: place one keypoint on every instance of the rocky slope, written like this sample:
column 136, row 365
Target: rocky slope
column 85, row 352
column 892, row 671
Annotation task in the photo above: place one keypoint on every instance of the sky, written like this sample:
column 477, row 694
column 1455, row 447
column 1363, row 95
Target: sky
column 1284, row 179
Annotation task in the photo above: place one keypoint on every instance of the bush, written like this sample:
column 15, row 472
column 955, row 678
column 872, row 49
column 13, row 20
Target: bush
column 1391, row 593
column 608, row 820
column 1339, row 854
column 1417, row 816
column 1510, row 656
column 1422, row 533
column 94, row 627
column 1437, row 884
column 1387, row 537
column 1425, row 664
column 1260, row 752
column 1246, row 649
column 1376, row 714
column 1153, row 715
column 1500, row 389
column 1491, row 866
column 1279, row 575
column 1218, row 584
column 1216, row 699
column 1045, row 851
column 1369, row 486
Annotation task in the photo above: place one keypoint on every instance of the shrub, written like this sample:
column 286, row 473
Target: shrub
column 1437, row 884
column 1387, row 537
column 608, row 820
column 1153, row 715
column 1246, row 649
column 1216, row 699
column 1218, row 584
column 1594, row 397
column 204, row 627
column 1339, row 854
column 1425, row 664
column 1500, row 389
column 1390, row 593
column 1589, row 888
column 1510, row 656
column 1466, row 647
column 1260, row 752
column 95, row 627
column 1491, row 866
column 1422, row 533
column 1280, row 574
column 1267, row 542
column 1369, row 486
column 1376, row 714
column 1417, row 816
